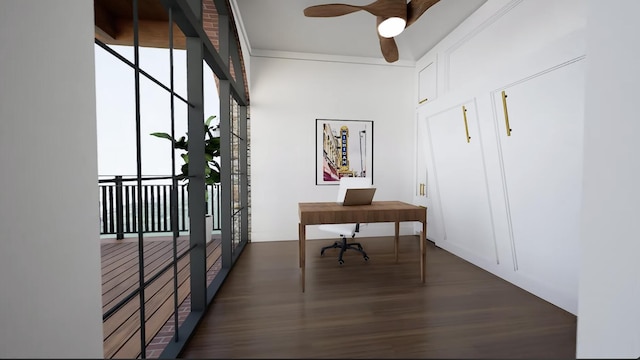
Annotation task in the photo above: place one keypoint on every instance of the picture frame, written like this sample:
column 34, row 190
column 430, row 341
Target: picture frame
column 343, row 148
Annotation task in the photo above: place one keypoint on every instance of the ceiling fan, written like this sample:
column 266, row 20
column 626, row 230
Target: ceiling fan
column 393, row 16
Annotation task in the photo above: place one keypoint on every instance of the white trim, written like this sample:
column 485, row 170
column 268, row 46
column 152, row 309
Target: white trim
column 329, row 58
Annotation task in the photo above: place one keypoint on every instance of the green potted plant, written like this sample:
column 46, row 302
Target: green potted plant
column 211, row 167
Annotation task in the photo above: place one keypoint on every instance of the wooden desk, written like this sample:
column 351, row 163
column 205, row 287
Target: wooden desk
column 317, row 213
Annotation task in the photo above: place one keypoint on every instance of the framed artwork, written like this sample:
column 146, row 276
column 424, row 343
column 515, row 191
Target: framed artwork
column 343, row 148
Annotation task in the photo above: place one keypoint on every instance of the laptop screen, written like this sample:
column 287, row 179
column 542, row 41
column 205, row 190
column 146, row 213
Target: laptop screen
column 359, row 196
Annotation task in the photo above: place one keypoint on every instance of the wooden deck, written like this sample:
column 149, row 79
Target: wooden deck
column 120, row 276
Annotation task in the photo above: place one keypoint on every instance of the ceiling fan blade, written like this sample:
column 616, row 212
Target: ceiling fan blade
column 389, row 49
column 386, row 8
column 328, row 10
column 387, row 45
column 415, row 8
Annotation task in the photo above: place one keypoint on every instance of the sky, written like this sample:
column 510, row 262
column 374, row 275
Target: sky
column 115, row 110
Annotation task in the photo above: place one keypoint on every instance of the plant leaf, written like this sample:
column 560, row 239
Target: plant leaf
column 212, row 152
column 214, row 178
column 181, row 144
column 208, row 121
column 162, row 135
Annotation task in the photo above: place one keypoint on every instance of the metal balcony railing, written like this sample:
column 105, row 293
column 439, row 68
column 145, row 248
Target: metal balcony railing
column 119, row 205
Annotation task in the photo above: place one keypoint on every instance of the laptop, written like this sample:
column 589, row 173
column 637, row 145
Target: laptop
column 358, row 196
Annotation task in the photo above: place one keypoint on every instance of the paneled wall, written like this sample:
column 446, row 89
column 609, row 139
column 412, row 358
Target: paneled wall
column 499, row 143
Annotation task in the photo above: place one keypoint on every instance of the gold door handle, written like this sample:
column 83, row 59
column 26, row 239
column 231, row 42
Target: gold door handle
column 466, row 126
column 506, row 113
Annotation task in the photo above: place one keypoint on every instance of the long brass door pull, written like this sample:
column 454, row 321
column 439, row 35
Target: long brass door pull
column 506, row 113
column 466, row 125
column 422, row 189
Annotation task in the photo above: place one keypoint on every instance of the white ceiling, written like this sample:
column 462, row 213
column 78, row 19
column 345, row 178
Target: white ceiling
column 280, row 26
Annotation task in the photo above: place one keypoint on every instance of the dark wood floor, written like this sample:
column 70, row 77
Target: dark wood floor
column 375, row 309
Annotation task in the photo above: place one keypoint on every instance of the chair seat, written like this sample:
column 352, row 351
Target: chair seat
column 340, row 229
column 346, row 230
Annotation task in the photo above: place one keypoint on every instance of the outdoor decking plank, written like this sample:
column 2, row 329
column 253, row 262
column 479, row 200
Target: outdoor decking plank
column 162, row 306
column 124, row 340
column 115, row 287
column 122, row 330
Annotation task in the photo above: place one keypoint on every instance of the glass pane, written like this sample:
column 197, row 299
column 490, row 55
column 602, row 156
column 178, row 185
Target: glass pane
column 115, row 113
column 211, row 96
column 155, row 105
column 156, row 63
column 212, row 108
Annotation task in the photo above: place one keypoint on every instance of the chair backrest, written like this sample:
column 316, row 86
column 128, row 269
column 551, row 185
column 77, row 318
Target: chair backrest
column 352, row 182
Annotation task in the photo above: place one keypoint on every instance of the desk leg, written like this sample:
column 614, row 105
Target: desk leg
column 301, row 249
column 300, row 245
column 396, row 240
column 423, row 252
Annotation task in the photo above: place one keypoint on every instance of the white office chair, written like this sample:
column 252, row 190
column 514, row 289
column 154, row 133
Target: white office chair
column 345, row 230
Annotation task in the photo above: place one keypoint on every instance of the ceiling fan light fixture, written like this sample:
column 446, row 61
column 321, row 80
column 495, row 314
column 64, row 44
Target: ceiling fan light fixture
column 391, row 27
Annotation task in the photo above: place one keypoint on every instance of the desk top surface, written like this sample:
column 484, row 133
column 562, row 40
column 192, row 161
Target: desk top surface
column 379, row 211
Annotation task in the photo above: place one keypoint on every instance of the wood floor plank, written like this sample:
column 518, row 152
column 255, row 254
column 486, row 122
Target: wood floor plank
column 375, row 309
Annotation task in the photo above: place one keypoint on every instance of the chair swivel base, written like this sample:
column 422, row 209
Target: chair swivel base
column 344, row 246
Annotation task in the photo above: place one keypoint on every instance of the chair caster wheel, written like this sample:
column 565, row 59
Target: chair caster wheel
column 321, row 253
column 366, row 258
column 341, row 262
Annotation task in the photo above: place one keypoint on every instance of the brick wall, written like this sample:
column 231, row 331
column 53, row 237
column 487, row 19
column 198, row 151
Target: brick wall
column 210, row 25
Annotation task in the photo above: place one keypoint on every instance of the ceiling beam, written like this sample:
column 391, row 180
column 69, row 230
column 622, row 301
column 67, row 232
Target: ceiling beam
column 104, row 22
column 151, row 33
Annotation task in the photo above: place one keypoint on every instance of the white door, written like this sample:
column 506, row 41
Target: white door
column 461, row 182
column 542, row 165
column 425, row 193
column 421, row 183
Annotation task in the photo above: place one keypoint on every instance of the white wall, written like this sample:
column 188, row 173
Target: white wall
column 287, row 96
column 608, row 309
column 49, row 251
